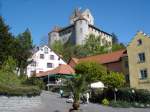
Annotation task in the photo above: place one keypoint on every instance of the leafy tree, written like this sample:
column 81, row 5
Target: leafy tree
column 80, row 51
column 92, row 44
column 116, row 47
column 9, row 65
column 6, row 40
column 113, row 81
column 57, row 47
column 24, row 48
column 92, row 70
column 68, row 51
column 114, row 38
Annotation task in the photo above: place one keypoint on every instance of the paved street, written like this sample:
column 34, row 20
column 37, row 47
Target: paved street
column 51, row 102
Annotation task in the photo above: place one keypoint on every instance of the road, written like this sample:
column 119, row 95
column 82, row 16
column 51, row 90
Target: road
column 51, row 102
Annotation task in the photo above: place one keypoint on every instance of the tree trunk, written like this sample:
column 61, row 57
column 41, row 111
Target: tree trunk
column 115, row 98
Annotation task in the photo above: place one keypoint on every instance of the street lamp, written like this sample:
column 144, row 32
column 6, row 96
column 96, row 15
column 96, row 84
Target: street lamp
column 133, row 91
column 115, row 96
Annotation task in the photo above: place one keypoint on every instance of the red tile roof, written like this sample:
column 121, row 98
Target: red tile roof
column 62, row 69
column 103, row 58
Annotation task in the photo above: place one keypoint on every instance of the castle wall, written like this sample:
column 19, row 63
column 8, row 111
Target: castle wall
column 105, row 39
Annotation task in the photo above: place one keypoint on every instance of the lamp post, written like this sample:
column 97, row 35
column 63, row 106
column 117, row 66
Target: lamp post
column 115, row 96
column 133, row 91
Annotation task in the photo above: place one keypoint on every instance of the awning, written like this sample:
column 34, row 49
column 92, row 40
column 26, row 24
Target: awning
column 97, row 85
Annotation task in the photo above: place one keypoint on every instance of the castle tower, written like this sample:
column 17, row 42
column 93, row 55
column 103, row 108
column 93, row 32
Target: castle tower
column 81, row 30
column 53, row 36
column 86, row 14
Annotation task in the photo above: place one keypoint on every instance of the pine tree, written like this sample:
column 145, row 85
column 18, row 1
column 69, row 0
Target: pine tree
column 6, row 41
column 24, row 47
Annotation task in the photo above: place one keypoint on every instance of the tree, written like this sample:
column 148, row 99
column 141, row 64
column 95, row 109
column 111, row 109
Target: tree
column 58, row 47
column 92, row 70
column 9, row 65
column 113, row 81
column 77, row 86
column 6, row 40
column 93, row 45
column 24, row 47
column 114, row 38
column 80, row 51
column 116, row 47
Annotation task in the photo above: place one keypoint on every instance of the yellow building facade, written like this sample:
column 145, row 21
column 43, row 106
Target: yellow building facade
column 139, row 61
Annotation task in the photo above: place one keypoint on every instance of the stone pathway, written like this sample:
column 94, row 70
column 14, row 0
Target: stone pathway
column 51, row 102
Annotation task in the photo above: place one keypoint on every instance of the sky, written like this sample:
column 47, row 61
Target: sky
column 122, row 17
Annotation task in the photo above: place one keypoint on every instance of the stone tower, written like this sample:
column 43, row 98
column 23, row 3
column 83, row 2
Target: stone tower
column 81, row 30
column 53, row 35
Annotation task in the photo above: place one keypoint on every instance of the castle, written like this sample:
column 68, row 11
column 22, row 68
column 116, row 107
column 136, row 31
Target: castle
column 81, row 25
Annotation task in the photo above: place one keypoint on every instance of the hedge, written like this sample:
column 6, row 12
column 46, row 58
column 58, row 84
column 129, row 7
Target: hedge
column 123, row 94
column 8, row 90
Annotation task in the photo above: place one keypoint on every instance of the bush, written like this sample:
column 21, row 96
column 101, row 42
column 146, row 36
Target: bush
column 118, row 103
column 105, row 102
column 126, row 94
column 34, row 82
column 19, row 90
column 142, row 96
column 11, row 85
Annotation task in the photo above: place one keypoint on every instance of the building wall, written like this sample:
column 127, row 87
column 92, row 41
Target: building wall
column 125, row 68
column 41, row 64
column 53, row 36
column 134, row 65
column 114, row 66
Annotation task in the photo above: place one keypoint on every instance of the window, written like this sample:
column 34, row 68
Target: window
column 80, row 21
column 32, row 73
column 46, row 50
column 127, row 77
column 141, row 57
column 88, row 15
column 143, row 74
column 33, row 63
column 51, row 57
column 49, row 65
column 81, row 30
column 126, row 64
column 139, row 42
column 41, row 56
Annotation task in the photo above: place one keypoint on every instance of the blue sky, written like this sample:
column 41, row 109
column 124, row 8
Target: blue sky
column 123, row 17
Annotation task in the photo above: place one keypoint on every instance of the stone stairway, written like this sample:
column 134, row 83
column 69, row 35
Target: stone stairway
column 18, row 104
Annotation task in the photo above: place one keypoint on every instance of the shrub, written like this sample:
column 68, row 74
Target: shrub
column 142, row 96
column 11, row 85
column 34, row 82
column 9, row 65
column 105, row 102
column 118, row 103
column 19, row 90
column 126, row 94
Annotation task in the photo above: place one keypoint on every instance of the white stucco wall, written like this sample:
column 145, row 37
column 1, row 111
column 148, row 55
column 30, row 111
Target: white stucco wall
column 41, row 64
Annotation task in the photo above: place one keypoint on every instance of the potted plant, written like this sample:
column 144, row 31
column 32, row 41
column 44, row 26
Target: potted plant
column 77, row 86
